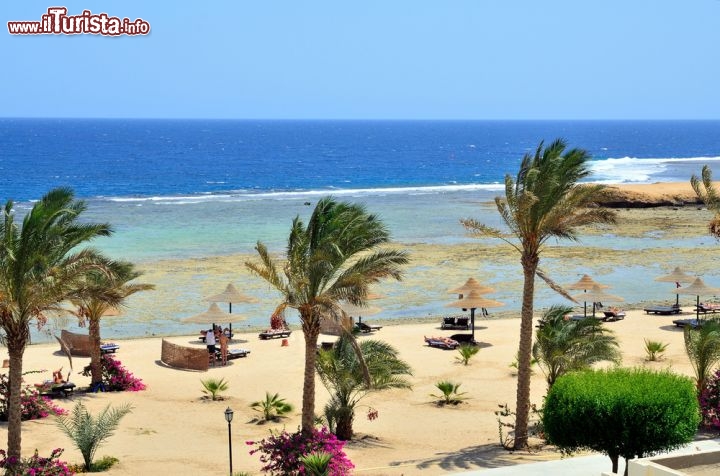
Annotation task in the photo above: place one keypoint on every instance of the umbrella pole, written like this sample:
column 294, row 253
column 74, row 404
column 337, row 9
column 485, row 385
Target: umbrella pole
column 230, row 323
column 697, row 310
column 472, row 323
column 585, row 309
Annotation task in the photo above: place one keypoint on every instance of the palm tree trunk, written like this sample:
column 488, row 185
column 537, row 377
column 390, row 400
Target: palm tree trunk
column 16, row 349
column 95, row 362
column 344, row 425
column 522, row 410
column 311, row 331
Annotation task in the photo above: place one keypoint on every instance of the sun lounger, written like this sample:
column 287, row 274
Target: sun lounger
column 109, row 348
column 274, row 333
column 614, row 315
column 362, row 327
column 665, row 310
column 455, row 322
column 50, row 389
column 694, row 323
column 442, row 342
column 705, row 308
column 232, row 354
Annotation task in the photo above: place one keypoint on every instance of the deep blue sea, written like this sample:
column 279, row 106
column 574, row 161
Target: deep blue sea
column 196, row 188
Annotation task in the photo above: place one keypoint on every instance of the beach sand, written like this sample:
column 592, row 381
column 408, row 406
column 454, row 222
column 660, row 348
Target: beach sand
column 173, row 430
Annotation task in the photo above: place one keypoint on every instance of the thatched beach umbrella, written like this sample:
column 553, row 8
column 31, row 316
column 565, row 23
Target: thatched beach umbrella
column 230, row 295
column 596, row 294
column 473, row 300
column 586, row 283
column 698, row 288
column 678, row 276
column 471, row 284
column 214, row 314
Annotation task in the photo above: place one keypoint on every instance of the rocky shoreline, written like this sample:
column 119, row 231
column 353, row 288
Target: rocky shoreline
column 628, row 197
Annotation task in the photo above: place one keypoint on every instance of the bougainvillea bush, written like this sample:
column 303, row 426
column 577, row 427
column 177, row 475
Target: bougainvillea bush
column 280, row 453
column 35, row 465
column 117, row 378
column 710, row 402
column 34, row 406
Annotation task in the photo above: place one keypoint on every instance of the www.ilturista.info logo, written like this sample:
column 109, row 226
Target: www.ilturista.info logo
column 58, row 22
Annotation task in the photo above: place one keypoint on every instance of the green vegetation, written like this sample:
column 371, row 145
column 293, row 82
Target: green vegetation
column 621, row 412
column 544, row 201
column 87, row 432
column 563, row 346
column 341, row 372
column 334, row 259
column 703, row 348
column 705, row 190
column 467, row 351
column 42, row 263
column 316, row 463
column 450, row 393
column 654, row 349
column 272, row 407
column 213, row 387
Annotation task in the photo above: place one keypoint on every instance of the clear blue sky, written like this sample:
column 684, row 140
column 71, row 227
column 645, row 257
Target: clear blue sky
column 386, row 59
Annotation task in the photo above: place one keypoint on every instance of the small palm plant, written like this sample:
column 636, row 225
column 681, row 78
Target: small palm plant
column 466, row 351
column 87, row 432
column 450, row 394
column 213, row 387
column 654, row 349
column 272, row 407
column 316, row 463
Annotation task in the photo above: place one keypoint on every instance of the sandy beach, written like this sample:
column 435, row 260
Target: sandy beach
column 174, row 430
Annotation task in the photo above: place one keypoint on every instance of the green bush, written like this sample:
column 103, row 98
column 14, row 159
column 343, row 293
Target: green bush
column 621, row 412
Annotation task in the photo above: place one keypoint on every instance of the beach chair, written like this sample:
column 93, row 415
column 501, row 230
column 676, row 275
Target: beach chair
column 614, row 314
column 442, row 343
column 448, row 322
column 274, row 333
column 364, row 328
column 692, row 323
column 664, row 310
column 462, row 323
column 57, row 387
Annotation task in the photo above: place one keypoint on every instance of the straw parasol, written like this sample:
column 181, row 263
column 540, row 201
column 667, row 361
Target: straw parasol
column 230, row 295
column 698, row 288
column 677, row 276
column 585, row 283
column 214, row 314
column 472, row 284
column 596, row 294
column 473, row 300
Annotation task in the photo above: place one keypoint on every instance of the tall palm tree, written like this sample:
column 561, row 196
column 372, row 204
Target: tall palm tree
column 106, row 291
column 40, row 266
column 341, row 372
column 335, row 258
column 705, row 190
column 702, row 346
column 565, row 345
column 544, row 201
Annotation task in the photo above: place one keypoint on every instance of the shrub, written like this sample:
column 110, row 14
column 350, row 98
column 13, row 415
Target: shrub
column 35, row 465
column 87, row 432
column 316, row 463
column 621, row 412
column 281, row 452
column 450, row 394
column 213, row 387
column 34, row 406
column 272, row 407
column 115, row 377
column 466, row 351
column 710, row 401
column 654, row 349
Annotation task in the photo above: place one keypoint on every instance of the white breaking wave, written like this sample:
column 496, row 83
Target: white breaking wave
column 634, row 170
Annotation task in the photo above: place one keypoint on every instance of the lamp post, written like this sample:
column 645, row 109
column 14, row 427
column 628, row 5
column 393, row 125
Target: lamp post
column 228, row 418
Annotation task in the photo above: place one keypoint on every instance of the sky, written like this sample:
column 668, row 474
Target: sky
column 386, row 59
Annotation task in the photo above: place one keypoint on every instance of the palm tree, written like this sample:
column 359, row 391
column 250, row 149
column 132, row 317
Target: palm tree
column 544, row 201
column 565, row 345
column 702, row 346
column 705, row 190
column 105, row 292
column 272, row 406
column 341, row 372
column 335, row 257
column 40, row 266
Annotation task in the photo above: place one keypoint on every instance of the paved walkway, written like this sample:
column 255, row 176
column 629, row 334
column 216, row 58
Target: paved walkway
column 592, row 465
